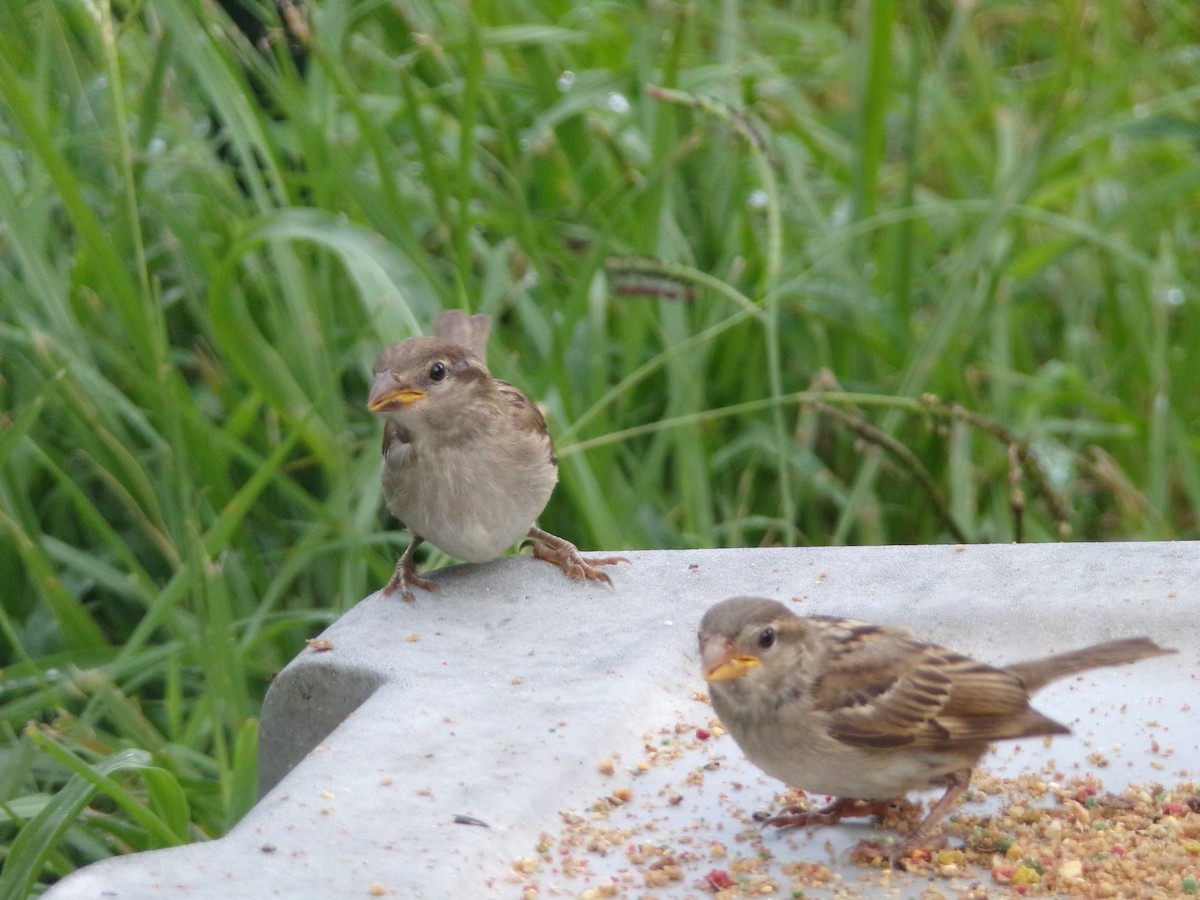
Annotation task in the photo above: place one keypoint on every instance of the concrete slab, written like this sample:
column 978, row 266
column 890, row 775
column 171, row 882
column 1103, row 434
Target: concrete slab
column 498, row 697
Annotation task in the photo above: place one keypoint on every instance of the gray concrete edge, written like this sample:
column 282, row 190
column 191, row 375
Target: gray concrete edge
column 497, row 697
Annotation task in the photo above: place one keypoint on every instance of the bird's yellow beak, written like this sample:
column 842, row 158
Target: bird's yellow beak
column 734, row 667
column 388, row 396
column 720, row 663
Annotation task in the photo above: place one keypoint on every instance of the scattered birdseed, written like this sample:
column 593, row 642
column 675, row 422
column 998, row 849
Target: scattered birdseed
column 689, row 832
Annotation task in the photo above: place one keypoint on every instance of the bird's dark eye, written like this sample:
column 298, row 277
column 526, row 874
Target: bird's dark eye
column 437, row 372
column 766, row 638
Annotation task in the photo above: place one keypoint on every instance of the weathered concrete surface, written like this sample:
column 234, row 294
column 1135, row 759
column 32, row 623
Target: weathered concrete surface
column 497, row 697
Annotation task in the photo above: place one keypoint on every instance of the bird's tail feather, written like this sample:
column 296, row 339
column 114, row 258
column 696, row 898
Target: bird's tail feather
column 1037, row 673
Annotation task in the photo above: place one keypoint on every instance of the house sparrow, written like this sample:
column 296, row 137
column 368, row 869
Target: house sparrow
column 865, row 713
column 468, row 463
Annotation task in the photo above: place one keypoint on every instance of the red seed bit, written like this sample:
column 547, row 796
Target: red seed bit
column 703, row 734
column 1084, row 794
column 920, row 854
column 719, row 880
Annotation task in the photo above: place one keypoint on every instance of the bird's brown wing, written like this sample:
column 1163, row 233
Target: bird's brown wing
column 884, row 688
column 989, row 704
column 526, row 411
column 877, row 685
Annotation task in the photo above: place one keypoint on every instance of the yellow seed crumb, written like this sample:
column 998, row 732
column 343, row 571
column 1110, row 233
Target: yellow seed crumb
column 1071, row 868
column 1025, row 875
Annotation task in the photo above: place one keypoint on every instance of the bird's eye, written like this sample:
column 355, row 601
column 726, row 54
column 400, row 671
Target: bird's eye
column 437, row 372
column 766, row 638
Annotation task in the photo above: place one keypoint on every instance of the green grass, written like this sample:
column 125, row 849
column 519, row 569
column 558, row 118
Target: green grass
column 779, row 273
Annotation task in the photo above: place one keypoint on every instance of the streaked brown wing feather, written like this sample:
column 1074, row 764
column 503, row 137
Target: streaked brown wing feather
column 903, row 692
column 980, row 690
column 985, row 729
column 527, row 412
column 990, row 704
column 880, row 692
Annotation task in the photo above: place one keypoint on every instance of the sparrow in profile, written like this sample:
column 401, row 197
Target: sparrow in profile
column 468, row 463
column 865, row 713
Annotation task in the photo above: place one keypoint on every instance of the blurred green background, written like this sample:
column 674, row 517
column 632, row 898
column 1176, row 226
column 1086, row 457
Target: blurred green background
column 779, row 273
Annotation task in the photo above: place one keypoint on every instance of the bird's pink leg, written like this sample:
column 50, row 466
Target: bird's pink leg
column 405, row 577
column 840, row 808
column 566, row 556
column 872, row 851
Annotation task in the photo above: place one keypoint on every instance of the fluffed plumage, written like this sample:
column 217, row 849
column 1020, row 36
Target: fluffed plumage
column 468, row 463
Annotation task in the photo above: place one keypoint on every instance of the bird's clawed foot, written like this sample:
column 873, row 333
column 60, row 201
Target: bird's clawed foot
column 867, row 852
column 917, row 845
column 566, row 556
column 405, row 577
column 918, row 841
column 841, row 808
column 405, row 582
